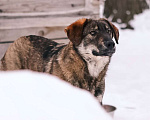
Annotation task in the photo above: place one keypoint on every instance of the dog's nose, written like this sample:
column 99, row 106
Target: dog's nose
column 109, row 44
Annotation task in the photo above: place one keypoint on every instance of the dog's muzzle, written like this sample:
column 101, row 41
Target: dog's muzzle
column 108, row 50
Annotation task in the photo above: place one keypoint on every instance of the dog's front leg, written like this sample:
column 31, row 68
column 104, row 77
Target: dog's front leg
column 99, row 90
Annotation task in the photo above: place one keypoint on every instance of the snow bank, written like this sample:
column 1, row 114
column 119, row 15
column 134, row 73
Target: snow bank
column 28, row 95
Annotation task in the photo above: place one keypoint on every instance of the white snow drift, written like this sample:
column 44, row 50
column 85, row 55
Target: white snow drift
column 27, row 95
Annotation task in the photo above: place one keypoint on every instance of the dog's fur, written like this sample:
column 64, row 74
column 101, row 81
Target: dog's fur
column 83, row 62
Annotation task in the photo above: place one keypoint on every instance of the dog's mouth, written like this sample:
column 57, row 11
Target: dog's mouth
column 95, row 53
column 103, row 53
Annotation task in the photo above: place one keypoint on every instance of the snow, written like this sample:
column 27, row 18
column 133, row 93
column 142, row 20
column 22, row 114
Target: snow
column 128, row 78
column 25, row 95
column 28, row 95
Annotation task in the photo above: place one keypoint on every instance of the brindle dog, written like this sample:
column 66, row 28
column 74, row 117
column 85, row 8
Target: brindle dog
column 83, row 62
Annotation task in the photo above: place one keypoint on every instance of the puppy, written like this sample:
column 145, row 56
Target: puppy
column 83, row 62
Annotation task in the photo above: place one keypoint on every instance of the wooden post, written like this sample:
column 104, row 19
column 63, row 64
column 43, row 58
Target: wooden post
column 92, row 7
column 101, row 8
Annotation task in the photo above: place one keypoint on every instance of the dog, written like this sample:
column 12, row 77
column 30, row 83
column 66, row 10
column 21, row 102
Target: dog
column 83, row 62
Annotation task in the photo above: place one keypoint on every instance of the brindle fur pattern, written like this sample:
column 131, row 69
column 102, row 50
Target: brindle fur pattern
column 87, row 46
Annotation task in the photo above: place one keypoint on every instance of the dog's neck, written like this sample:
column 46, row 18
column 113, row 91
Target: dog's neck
column 95, row 64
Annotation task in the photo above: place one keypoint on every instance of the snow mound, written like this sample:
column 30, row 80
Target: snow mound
column 27, row 95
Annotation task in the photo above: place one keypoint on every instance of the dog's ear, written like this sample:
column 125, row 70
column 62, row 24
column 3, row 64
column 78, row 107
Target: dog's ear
column 74, row 31
column 114, row 29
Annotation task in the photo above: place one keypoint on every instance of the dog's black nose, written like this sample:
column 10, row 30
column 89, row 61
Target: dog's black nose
column 109, row 44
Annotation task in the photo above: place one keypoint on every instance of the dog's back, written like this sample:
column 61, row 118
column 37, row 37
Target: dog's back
column 30, row 52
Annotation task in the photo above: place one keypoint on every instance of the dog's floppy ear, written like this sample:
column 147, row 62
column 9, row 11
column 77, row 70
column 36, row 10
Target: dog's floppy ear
column 114, row 29
column 74, row 31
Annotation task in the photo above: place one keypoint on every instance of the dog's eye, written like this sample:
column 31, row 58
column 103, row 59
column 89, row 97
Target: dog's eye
column 109, row 31
column 93, row 33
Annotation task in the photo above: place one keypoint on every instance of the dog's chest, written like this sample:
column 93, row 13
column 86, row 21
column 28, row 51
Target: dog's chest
column 96, row 65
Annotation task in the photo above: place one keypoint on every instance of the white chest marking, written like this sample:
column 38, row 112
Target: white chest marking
column 97, row 64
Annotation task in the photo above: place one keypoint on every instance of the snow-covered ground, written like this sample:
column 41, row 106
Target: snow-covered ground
column 128, row 78
column 127, row 86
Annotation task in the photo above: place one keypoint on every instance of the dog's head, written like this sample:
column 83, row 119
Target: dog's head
column 94, row 37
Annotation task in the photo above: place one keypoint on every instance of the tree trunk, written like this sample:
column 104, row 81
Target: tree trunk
column 122, row 11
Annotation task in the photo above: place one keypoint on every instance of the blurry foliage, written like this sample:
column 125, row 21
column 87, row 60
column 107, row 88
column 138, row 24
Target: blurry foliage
column 122, row 11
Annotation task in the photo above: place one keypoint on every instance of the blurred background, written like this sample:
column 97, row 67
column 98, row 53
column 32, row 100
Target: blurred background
column 48, row 18
column 128, row 78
